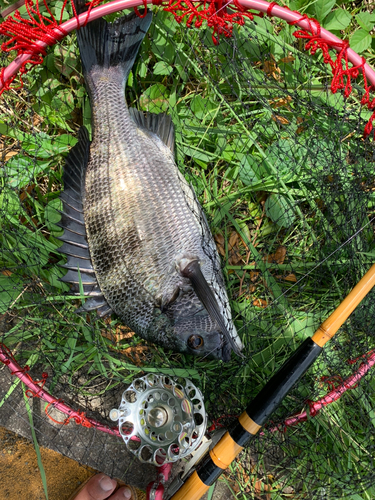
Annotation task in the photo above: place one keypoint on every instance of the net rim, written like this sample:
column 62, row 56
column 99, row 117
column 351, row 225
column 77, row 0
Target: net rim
column 259, row 5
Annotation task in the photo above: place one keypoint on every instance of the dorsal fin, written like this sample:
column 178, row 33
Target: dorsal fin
column 160, row 125
column 80, row 271
column 76, row 163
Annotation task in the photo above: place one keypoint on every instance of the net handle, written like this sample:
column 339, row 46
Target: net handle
column 258, row 5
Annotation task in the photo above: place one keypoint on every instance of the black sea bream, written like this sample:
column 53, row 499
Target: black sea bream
column 133, row 226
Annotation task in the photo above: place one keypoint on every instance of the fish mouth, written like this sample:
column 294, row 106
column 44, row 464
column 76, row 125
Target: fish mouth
column 222, row 353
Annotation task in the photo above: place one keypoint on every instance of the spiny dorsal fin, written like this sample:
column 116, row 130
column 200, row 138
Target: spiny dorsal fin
column 159, row 124
column 76, row 163
column 80, row 271
column 72, row 197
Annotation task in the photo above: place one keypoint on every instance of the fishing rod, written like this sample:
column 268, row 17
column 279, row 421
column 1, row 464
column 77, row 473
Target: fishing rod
column 260, row 409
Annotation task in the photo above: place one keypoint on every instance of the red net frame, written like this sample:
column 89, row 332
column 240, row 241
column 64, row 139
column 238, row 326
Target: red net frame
column 30, row 37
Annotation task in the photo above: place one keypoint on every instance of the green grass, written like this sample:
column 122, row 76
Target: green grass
column 35, row 441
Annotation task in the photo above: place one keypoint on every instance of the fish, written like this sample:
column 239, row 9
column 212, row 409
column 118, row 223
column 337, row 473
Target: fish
column 135, row 236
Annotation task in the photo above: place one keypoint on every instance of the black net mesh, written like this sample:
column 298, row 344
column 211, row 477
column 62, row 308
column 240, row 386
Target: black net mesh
column 286, row 181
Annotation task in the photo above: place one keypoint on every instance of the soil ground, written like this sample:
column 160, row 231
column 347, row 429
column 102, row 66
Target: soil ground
column 20, row 476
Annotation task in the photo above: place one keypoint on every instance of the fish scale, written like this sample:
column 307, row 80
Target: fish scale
column 153, row 257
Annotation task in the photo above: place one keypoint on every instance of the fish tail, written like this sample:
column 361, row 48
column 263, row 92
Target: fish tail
column 104, row 45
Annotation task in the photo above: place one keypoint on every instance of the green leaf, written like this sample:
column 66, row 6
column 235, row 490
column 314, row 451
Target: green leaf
column 339, row 19
column 48, row 86
column 279, row 210
column 360, row 41
column 59, row 7
column 168, row 53
column 286, row 157
column 263, row 23
column 52, row 215
column 20, row 170
column 9, row 202
column 142, row 71
column 155, row 98
column 249, row 170
column 65, row 60
column 43, row 146
column 296, row 4
column 323, row 8
column 364, row 19
column 181, row 72
column 11, row 287
column 211, row 492
column 196, row 153
column 36, row 444
column 162, row 68
column 202, row 108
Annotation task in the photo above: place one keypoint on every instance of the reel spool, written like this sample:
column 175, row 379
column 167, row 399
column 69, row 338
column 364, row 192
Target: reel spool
column 161, row 419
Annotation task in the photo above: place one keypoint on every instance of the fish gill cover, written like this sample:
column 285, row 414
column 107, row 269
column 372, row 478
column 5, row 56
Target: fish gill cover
column 286, row 181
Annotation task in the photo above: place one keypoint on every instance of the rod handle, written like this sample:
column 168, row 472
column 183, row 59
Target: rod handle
column 330, row 326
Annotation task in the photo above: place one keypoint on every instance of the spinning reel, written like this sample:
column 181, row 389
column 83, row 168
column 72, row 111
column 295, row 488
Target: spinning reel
column 161, row 419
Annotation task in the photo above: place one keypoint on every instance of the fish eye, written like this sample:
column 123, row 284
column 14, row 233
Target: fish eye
column 195, row 342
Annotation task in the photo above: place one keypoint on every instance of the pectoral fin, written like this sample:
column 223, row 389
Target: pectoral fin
column 208, row 299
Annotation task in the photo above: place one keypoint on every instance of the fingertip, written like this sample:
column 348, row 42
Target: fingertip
column 107, row 484
column 127, row 493
column 123, row 493
column 99, row 487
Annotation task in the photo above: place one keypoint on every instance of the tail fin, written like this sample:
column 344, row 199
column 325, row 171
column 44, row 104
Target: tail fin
column 104, row 44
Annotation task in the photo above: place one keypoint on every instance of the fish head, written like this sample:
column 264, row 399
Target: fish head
column 192, row 332
column 201, row 337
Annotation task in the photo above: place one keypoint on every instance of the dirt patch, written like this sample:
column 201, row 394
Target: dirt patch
column 20, row 476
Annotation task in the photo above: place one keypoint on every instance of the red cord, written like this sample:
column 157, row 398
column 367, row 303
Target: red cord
column 78, row 416
column 270, row 8
column 216, row 423
column 342, row 74
column 215, row 13
column 334, row 395
column 23, row 35
column 36, row 389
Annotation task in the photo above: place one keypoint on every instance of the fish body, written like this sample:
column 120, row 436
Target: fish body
column 146, row 251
